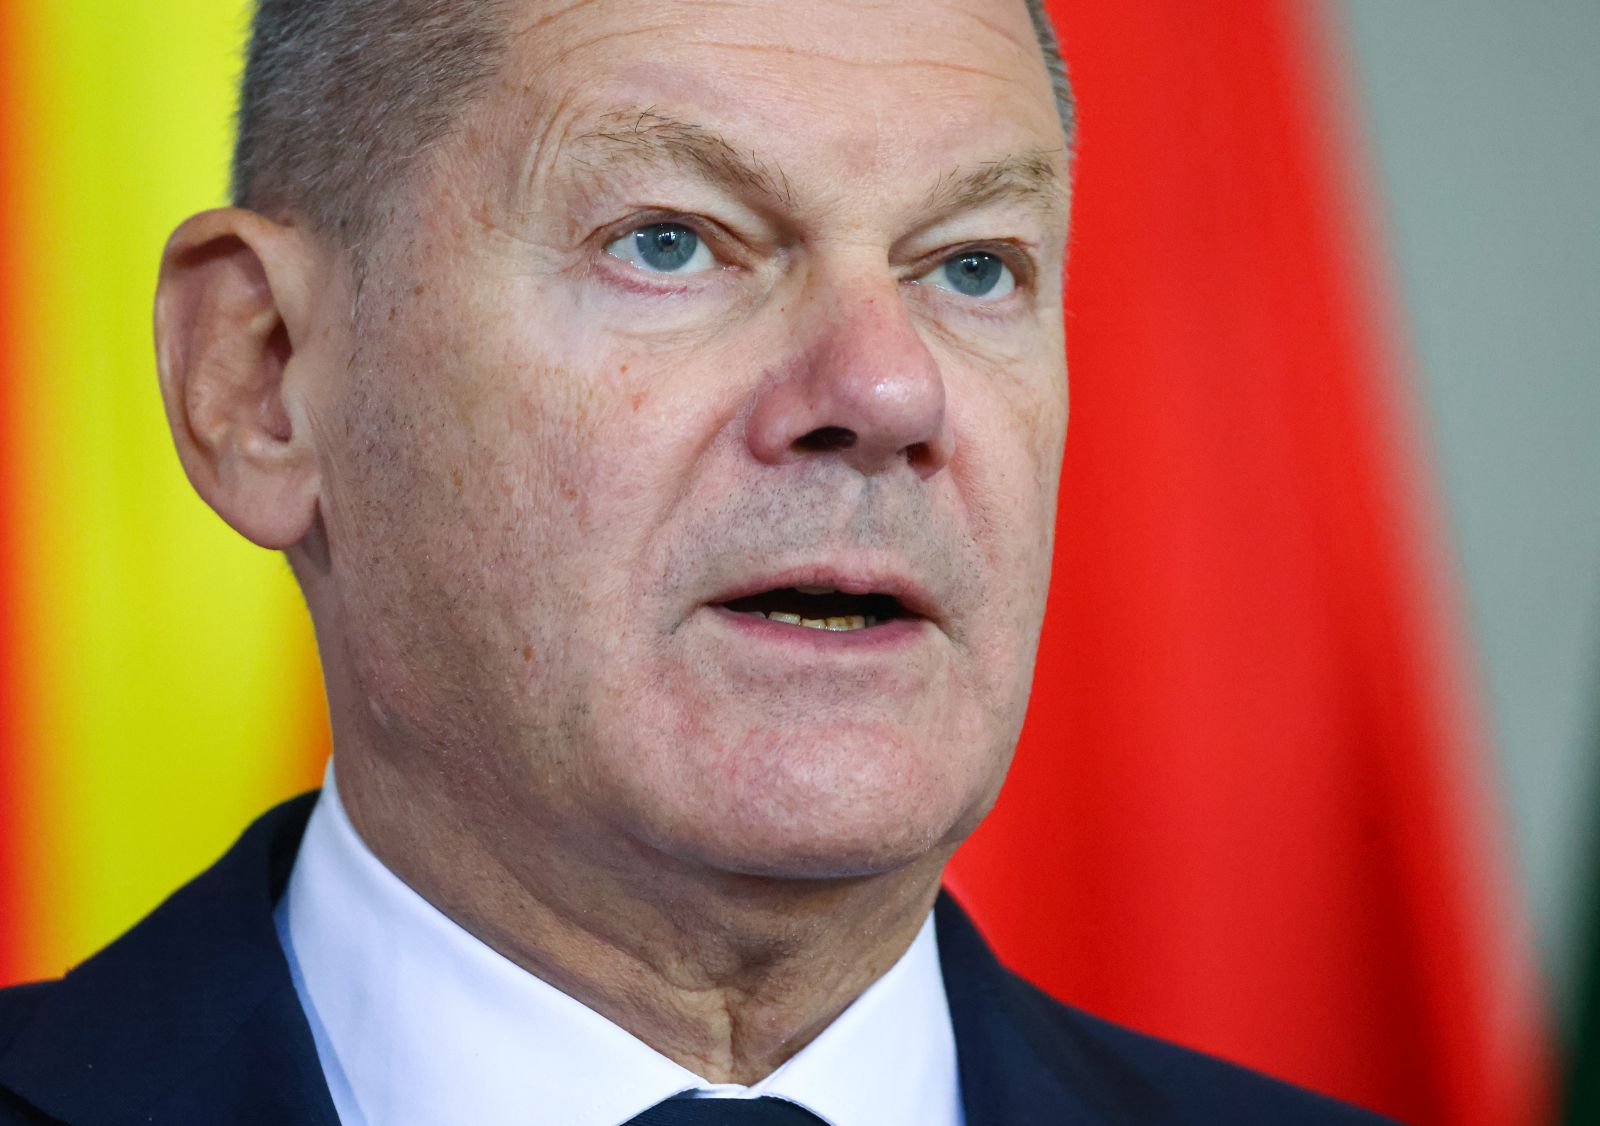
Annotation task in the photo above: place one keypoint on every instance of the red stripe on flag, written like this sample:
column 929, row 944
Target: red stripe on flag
column 1247, row 813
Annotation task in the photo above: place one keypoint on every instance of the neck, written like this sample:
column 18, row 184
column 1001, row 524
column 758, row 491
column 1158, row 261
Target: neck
column 726, row 974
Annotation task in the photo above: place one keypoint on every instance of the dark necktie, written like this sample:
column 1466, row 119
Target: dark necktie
column 726, row 1112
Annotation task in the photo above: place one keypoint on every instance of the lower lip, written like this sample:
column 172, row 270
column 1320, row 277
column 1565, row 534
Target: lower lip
column 893, row 634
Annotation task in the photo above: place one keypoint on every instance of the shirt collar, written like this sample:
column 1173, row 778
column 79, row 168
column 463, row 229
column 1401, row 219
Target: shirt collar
column 417, row 1021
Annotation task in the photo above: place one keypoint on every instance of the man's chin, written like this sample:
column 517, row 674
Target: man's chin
column 814, row 860
column 833, row 845
column 864, row 798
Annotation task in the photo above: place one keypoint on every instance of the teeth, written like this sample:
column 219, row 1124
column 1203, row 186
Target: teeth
column 816, row 590
column 839, row 625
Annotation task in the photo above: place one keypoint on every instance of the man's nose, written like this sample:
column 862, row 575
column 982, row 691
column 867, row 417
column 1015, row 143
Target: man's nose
column 864, row 389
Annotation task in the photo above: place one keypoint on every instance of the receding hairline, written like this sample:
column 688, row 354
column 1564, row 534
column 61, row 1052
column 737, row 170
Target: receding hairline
column 341, row 100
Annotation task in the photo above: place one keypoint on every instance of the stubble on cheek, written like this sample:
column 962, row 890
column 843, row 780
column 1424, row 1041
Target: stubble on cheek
column 454, row 511
column 1008, row 462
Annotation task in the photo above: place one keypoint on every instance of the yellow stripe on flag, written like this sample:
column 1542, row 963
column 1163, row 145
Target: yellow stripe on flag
column 168, row 662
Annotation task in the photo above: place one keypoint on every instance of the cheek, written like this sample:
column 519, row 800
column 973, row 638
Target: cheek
column 470, row 524
column 1006, row 472
column 1009, row 453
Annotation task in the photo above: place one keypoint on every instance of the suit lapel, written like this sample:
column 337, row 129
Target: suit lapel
column 191, row 1017
column 1021, row 1061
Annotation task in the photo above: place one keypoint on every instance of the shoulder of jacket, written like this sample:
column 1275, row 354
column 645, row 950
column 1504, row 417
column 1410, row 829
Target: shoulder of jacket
column 1181, row 1085
column 17, row 1006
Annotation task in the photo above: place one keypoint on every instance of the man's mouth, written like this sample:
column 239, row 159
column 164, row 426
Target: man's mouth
column 820, row 607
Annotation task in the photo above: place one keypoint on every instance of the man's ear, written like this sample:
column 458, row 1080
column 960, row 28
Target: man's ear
column 233, row 316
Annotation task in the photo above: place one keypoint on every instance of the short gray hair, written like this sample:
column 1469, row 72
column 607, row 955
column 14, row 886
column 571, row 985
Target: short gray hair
column 340, row 97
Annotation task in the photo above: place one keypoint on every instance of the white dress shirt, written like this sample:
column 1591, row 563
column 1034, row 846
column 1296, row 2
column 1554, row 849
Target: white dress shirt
column 418, row 1023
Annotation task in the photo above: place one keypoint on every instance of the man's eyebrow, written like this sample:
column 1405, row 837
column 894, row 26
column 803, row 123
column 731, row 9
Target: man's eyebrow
column 649, row 136
column 1029, row 175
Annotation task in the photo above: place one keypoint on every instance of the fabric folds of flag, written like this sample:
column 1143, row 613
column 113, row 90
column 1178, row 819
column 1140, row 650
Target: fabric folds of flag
column 1249, row 812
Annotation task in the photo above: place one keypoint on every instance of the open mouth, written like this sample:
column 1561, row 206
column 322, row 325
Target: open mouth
column 820, row 607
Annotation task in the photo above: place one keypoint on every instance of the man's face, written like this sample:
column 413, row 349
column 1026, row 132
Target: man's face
column 709, row 321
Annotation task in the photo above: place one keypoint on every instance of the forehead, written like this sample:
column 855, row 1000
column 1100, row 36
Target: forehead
column 848, row 87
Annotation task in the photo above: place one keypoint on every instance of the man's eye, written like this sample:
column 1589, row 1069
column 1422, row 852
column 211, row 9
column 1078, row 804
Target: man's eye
column 663, row 248
column 976, row 273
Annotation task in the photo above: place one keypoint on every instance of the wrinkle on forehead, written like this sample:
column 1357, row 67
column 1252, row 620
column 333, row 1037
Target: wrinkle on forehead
column 649, row 135
column 875, row 64
column 544, row 20
column 789, row 51
column 1023, row 39
column 573, row 27
column 576, row 56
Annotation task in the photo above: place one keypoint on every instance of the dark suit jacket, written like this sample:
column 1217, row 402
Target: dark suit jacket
column 191, row 1018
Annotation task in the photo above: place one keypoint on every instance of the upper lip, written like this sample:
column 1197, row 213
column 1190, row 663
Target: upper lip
column 911, row 594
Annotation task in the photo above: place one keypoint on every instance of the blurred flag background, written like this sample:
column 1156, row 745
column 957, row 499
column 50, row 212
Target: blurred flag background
column 1296, row 765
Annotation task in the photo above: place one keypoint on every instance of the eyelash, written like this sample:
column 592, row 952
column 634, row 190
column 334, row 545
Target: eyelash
column 715, row 238
column 1015, row 257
